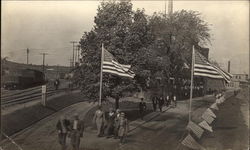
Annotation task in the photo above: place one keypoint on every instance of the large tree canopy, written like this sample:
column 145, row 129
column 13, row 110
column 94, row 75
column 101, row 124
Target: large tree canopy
column 156, row 46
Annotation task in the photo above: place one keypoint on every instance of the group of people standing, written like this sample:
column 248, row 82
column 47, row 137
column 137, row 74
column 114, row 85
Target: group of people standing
column 72, row 129
column 160, row 101
column 112, row 124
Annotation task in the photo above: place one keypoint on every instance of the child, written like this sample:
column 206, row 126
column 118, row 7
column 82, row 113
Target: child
column 123, row 127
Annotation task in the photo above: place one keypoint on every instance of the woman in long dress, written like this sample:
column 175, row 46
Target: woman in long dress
column 99, row 119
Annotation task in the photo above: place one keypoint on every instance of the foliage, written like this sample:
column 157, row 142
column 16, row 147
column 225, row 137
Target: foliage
column 156, row 46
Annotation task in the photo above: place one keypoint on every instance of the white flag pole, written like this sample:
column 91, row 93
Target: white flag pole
column 100, row 94
column 191, row 86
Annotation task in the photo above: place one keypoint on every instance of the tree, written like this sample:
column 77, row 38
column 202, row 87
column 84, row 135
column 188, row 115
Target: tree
column 124, row 34
column 156, row 46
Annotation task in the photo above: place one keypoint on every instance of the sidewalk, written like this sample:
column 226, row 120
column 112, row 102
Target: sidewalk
column 157, row 131
column 150, row 133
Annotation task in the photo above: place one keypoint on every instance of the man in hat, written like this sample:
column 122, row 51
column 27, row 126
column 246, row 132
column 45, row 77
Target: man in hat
column 63, row 128
column 110, row 123
column 142, row 108
column 99, row 119
column 160, row 103
column 123, row 127
column 77, row 128
column 154, row 102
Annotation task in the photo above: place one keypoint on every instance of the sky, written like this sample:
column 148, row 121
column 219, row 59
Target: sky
column 49, row 26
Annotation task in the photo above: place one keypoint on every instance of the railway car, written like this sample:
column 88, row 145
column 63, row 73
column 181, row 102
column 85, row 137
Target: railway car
column 22, row 79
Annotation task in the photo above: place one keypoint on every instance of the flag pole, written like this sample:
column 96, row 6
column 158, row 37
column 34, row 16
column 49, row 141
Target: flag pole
column 100, row 94
column 191, row 86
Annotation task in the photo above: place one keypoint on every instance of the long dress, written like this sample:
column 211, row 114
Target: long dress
column 99, row 120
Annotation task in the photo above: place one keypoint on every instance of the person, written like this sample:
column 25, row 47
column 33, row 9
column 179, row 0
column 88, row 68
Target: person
column 99, row 119
column 167, row 100
column 77, row 128
column 110, row 123
column 62, row 127
column 142, row 108
column 56, row 84
column 116, row 123
column 175, row 101
column 160, row 103
column 123, row 128
column 154, row 103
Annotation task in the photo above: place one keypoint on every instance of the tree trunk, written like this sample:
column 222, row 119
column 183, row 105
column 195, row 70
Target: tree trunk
column 116, row 102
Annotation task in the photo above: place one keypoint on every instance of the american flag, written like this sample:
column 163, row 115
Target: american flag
column 202, row 67
column 197, row 130
column 190, row 142
column 110, row 65
column 206, row 126
column 214, row 106
column 209, row 119
column 210, row 112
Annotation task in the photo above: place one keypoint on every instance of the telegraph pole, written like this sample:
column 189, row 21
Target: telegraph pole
column 44, row 54
column 170, row 7
column 73, row 42
column 78, row 51
column 28, row 55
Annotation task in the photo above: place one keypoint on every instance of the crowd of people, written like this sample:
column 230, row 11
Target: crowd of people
column 112, row 125
column 161, row 101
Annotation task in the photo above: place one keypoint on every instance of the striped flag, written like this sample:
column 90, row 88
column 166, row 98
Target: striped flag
column 202, row 67
column 214, row 106
column 210, row 112
column 110, row 65
column 197, row 130
column 207, row 117
column 206, row 126
column 190, row 142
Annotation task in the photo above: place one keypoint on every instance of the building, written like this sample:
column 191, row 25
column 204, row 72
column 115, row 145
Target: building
column 239, row 81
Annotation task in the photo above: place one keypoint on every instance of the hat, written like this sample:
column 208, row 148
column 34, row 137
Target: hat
column 122, row 114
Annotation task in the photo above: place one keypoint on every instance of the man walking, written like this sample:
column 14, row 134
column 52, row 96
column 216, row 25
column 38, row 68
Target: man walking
column 63, row 128
column 160, row 103
column 77, row 128
column 142, row 108
column 175, row 101
column 154, row 103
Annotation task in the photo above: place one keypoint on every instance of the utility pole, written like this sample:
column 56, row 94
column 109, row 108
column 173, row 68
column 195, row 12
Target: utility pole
column 228, row 66
column 28, row 55
column 165, row 8
column 170, row 7
column 44, row 54
column 73, row 42
column 78, row 51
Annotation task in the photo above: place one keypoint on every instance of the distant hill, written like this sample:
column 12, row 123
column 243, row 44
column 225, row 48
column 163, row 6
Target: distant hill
column 51, row 72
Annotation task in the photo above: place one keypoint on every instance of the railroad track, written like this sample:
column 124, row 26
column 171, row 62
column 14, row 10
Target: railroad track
column 23, row 96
